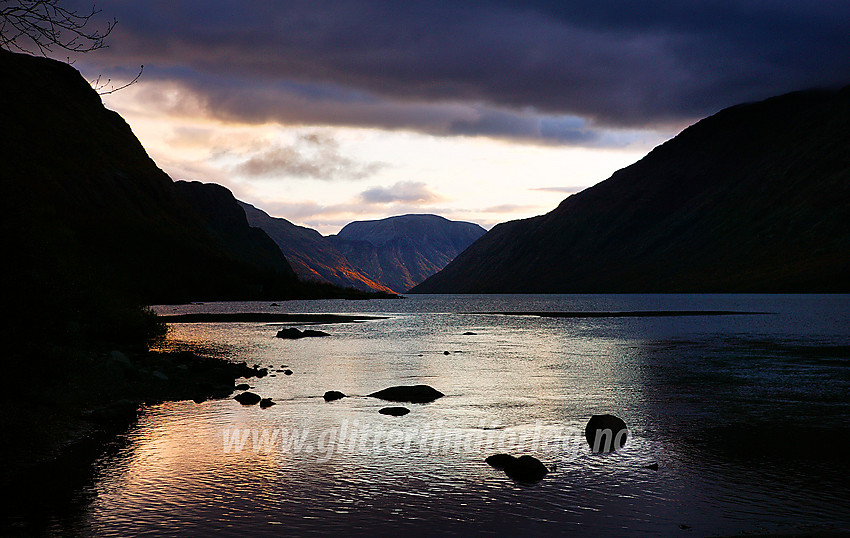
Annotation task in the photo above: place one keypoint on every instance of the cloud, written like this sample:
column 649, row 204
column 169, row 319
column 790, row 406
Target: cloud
column 408, row 192
column 312, row 155
column 613, row 63
column 566, row 190
column 329, row 218
column 508, row 208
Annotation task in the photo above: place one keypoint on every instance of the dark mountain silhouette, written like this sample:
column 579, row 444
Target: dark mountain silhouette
column 311, row 255
column 402, row 251
column 753, row 199
column 388, row 254
column 92, row 228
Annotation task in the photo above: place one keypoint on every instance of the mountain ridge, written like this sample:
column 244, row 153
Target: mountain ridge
column 390, row 254
column 753, row 198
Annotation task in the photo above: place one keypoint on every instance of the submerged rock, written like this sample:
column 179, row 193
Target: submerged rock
column 266, row 402
column 247, row 398
column 314, row 333
column 294, row 334
column 332, row 395
column 522, row 469
column 409, row 393
column 394, row 411
column 117, row 412
column 120, row 358
column 606, row 433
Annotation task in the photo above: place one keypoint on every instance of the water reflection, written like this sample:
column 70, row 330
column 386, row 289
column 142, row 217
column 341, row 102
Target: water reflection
column 697, row 394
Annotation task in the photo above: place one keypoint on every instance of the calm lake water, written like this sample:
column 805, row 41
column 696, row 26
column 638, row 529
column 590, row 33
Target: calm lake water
column 746, row 416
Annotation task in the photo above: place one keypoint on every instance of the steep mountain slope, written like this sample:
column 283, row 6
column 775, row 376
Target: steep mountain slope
column 390, row 254
column 753, row 199
column 311, row 255
column 402, row 251
column 90, row 223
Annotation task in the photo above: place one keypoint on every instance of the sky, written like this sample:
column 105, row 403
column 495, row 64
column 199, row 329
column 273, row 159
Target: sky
column 324, row 112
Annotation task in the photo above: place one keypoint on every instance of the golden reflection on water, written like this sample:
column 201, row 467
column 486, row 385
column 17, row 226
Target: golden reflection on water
column 517, row 377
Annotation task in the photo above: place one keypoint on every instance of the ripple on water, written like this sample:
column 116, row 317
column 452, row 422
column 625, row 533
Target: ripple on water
column 691, row 390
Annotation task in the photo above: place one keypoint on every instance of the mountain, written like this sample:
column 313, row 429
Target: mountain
column 92, row 228
column 402, row 251
column 224, row 220
column 79, row 187
column 388, row 254
column 755, row 198
column 311, row 255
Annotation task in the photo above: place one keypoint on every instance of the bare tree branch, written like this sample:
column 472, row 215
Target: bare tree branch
column 40, row 26
column 99, row 85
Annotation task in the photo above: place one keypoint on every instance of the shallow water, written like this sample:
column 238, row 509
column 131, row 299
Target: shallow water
column 747, row 417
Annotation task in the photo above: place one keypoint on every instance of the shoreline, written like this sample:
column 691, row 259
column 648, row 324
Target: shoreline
column 254, row 317
column 60, row 426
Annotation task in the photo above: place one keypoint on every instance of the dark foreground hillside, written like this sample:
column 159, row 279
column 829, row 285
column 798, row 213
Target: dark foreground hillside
column 92, row 228
column 753, row 199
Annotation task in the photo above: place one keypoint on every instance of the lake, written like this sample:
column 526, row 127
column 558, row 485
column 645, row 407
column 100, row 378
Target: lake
column 746, row 416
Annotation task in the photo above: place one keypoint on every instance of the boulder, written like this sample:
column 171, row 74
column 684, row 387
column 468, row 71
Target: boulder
column 247, row 398
column 120, row 358
column 242, row 386
column 522, row 469
column 500, row 461
column 293, row 334
column 332, row 395
column 394, row 411
column 287, row 372
column 266, row 402
column 446, row 353
column 606, row 433
column 469, row 333
column 409, row 393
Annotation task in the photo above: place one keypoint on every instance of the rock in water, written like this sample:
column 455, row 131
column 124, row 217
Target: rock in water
column 522, row 469
column 266, row 402
column 500, row 461
column 247, row 398
column 409, row 393
column 394, row 411
column 312, row 333
column 118, row 412
column 606, row 433
column 332, row 395
column 294, row 334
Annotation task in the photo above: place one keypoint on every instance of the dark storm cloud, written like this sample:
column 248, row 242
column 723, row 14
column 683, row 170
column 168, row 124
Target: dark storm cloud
column 422, row 65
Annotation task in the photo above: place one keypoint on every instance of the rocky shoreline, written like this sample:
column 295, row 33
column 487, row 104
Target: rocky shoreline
column 66, row 420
